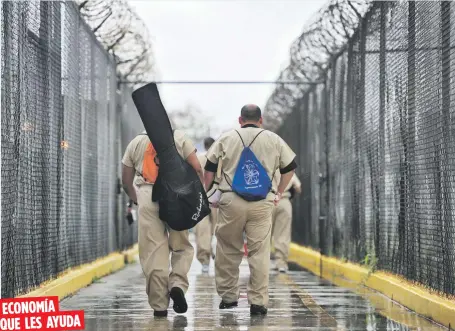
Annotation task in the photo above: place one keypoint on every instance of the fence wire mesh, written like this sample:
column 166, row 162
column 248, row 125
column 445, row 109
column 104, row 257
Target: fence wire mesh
column 63, row 133
column 376, row 146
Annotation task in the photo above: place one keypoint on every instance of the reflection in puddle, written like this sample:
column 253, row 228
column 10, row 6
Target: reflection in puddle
column 298, row 301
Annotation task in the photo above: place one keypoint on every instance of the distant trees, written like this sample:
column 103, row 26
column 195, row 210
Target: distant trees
column 191, row 119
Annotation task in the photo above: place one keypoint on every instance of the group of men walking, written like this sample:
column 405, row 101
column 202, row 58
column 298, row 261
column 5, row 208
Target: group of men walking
column 253, row 172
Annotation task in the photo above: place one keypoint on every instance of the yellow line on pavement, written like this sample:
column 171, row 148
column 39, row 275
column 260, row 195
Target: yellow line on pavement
column 323, row 316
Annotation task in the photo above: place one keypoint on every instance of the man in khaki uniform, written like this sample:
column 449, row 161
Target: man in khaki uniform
column 205, row 228
column 156, row 240
column 282, row 221
column 236, row 215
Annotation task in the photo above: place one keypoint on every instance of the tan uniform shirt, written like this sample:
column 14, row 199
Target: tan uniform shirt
column 202, row 159
column 294, row 182
column 134, row 153
column 269, row 148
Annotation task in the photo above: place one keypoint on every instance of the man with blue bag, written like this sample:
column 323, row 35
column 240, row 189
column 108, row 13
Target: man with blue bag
column 249, row 156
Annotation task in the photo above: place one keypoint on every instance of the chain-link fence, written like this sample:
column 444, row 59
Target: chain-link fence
column 64, row 126
column 376, row 146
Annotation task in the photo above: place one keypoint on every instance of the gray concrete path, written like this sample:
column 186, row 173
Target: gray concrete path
column 298, row 301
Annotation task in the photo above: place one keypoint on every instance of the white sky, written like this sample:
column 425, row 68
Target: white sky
column 222, row 40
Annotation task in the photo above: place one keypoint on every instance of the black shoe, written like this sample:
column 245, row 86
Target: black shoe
column 225, row 305
column 258, row 310
column 158, row 313
column 178, row 296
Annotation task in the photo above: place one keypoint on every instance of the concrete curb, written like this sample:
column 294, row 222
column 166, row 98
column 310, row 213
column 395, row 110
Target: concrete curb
column 416, row 298
column 75, row 279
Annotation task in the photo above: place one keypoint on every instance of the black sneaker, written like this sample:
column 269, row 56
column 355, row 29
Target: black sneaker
column 158, row 313
column 178, row 296
column 258, row 310
column 225, row 305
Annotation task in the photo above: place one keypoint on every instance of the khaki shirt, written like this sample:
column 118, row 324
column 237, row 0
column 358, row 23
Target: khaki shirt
column 202, row 159
column 134, row 153
column 294, row 182
column 269, row 148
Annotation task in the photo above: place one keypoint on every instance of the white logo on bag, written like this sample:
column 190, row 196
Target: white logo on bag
column 198, row 209
column 250, row 173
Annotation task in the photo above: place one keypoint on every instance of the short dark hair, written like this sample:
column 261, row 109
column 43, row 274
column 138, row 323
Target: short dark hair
column 208, row 142
column 251, row 113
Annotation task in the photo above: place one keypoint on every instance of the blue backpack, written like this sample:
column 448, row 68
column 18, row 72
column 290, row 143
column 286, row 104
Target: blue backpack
column 251, row 181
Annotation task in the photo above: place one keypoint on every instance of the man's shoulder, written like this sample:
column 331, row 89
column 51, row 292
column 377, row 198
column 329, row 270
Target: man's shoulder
column 178, row 132
column 271, row 134
column 179, row 135
column 140, row 138
column 226, row 136
column 275, row 138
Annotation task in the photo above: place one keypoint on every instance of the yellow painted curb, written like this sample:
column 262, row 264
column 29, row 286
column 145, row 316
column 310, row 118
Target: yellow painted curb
column 73, row 280
column 130, row 255
column 413, row 297
column 79, row 278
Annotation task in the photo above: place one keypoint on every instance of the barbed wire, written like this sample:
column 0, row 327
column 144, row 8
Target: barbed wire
column 322, row 38
column 123, row 34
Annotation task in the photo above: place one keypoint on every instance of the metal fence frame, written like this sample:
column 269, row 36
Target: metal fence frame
column 65, row 125
column 378, row 186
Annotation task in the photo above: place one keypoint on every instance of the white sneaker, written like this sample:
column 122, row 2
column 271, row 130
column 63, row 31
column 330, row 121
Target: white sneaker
column 282, row 270
column 205, row 268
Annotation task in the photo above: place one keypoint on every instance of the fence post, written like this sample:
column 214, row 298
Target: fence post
column 380, row 194
column 410, row 164
column 446, row 166
column 323, row 174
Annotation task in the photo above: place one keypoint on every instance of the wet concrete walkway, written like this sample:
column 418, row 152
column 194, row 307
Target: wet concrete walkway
column 298, row 301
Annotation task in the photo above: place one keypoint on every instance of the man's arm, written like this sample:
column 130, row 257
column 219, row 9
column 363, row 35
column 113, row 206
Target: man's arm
column 127, row 181
column 284, row 181
column 298, row 189
column 208, row 179
column 297, row 185
column 211, row 165
column 287, row 168
column 194, row 162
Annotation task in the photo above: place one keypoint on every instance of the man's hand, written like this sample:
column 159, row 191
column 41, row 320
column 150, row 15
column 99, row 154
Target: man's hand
column 277, row 198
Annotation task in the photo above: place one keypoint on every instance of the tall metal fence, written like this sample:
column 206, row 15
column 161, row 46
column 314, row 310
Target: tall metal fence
column 376, row 146
column 64, row 127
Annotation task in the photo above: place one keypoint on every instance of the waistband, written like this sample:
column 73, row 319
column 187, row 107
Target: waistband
column 230, row 191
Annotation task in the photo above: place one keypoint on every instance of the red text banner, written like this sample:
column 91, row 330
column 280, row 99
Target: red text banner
column 39, row 313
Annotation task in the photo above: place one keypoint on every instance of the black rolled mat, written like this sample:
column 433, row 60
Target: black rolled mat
column 178, row 190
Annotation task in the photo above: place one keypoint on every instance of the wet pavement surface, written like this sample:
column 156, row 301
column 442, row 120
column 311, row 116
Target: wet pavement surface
column 298, row 301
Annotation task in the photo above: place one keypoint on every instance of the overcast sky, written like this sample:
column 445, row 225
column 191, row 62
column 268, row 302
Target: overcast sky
column 222, row 40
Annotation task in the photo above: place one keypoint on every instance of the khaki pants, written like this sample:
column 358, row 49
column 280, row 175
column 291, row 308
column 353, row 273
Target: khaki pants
column 156, row 241
column 281, row 232
column 204, row 232
column 235, row 216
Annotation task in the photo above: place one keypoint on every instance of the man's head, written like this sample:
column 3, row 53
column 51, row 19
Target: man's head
column 250, row 114
column 208, row 143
